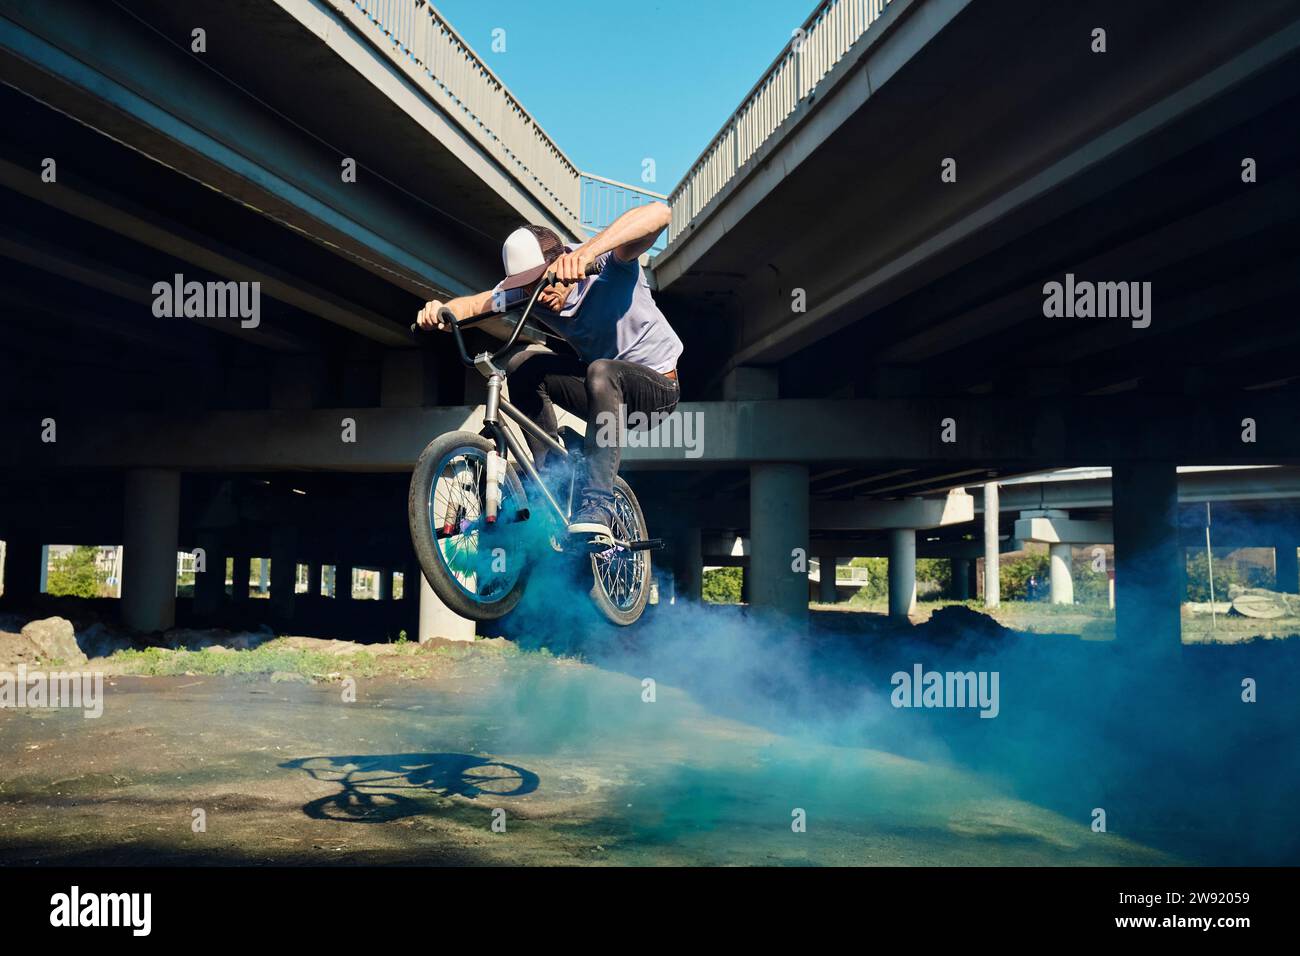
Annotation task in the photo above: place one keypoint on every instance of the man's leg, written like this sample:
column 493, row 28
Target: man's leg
column 539, row 381
column 615, row 390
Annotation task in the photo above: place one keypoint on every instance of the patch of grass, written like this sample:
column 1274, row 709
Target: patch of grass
column 283, row 662
column 271, row 657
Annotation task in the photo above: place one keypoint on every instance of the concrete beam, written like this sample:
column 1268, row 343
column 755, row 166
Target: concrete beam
column 90, row 63
column 1004, row 433
column 902, row 573
column 1148, row 572
column 992, row 579
column 1061, row 530
column 126, row 218
column 778, row 503
column 149, row 546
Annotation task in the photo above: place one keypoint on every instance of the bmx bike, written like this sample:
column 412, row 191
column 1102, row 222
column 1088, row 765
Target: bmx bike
column 479, row 531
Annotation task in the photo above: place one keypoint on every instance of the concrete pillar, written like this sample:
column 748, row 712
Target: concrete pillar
column 1147, row 601
column 746, row 580
column 343, row 581
column 1288, row 568
column 826, row 590
column 384, row 590
column 313, row 579
column 263, row 576
column 688, row 565
column 331, row 580
column 961, row 569
column 1060, row 557
column 284, row 572
column 150, row 523
column 437, row 620
column 239, row 564
column 45, row 568
column 778, row 522
column 22, row 569
column 902, row 572
column 210, row 584
column 992, row 582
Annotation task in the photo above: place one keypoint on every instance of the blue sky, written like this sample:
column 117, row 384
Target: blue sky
column 622, row 80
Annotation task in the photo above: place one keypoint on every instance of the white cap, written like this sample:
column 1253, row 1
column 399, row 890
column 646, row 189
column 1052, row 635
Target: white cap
column 522, row 256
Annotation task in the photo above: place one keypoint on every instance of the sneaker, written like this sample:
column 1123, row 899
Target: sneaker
column 592, row 518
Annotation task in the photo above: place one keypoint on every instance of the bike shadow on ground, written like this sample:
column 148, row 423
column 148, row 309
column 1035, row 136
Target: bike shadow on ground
column 376, row 788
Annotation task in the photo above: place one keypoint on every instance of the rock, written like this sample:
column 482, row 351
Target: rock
column 1259, row 603
column 957, row 624
column 16, row 649
column 54, row 639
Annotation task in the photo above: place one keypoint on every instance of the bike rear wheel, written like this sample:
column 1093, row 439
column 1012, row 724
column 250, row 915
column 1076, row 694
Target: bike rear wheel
column 477, row 569
column 621, row 577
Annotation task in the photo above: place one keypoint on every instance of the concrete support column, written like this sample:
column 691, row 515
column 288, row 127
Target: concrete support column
column 778, row 522
column 902, row 573
column 313, row 579
column 992, row 581
column 239, row 563
column 45, row 568
column 343, row 582
column 1061, row 557
column 961, row 569
column 1147, row 577
column 826, row 590
column 438, row 620
column 149, row 545
column 1288, row 567
column 688, row 566
column 22, row 569
column 210, row 584
column 384, row 590
column 284, row 572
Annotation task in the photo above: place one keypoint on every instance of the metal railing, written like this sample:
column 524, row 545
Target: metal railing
column 604, row 200
column 474, row 95
column 846, row 574
column 828, row 33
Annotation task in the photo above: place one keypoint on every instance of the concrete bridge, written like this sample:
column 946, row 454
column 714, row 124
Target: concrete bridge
column 857, row 264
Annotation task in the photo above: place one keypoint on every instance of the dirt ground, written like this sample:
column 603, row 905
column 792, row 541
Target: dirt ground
column 416, row 770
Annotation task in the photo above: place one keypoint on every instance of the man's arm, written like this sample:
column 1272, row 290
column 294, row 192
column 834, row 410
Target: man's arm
column 627, row 237
column 464, row 307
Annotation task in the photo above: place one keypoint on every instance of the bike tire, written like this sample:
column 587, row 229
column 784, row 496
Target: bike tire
column 626, row 613
column 432, row 563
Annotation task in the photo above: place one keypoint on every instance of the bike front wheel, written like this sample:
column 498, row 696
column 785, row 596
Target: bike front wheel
column 477, row 569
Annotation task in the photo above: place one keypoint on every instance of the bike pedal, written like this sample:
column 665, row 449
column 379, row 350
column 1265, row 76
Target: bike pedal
column 649, row 544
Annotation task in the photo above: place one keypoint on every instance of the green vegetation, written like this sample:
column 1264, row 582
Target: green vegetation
column 722, row 585
column 76, row 574
column 285, row 662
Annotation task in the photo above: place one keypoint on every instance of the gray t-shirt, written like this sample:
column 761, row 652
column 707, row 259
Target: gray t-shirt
column 613, row 316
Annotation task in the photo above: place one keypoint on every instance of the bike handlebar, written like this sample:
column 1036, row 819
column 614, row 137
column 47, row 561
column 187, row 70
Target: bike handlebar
column 446, row 315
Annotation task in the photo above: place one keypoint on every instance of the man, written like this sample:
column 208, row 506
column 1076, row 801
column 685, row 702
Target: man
column 626, row 350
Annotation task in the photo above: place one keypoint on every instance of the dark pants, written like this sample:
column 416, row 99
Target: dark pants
column 541, row 380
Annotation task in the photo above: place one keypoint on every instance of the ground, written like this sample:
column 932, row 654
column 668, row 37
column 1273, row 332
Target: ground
column 413, row 770
column 287, row 767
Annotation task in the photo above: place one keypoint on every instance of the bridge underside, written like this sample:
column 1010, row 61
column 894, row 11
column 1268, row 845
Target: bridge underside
column 923, row 363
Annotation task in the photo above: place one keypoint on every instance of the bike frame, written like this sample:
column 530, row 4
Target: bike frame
column 496, row 406
column 505, row 438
